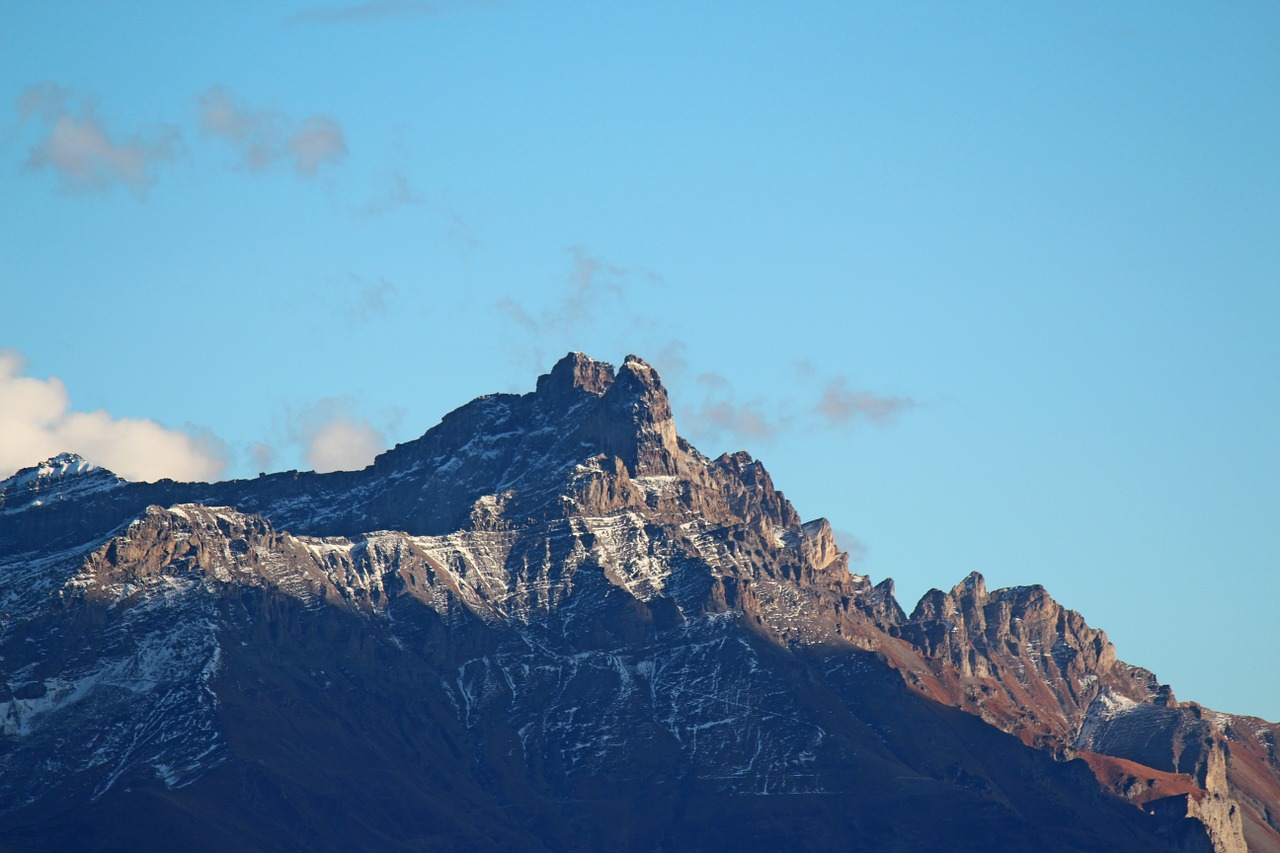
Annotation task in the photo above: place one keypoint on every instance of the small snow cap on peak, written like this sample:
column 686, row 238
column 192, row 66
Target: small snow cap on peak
column 577, row 371
column 54, row 479
column 68, row 463
column 62, row 465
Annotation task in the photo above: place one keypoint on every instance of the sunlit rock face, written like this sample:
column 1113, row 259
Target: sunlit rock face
column 550, row 623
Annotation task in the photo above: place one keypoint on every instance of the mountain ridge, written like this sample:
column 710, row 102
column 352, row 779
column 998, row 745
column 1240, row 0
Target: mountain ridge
column 572, row 531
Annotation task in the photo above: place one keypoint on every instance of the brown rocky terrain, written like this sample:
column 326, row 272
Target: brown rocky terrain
column 1024, row 663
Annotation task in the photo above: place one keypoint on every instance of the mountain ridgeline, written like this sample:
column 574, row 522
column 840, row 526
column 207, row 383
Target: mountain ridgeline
column 551, row 624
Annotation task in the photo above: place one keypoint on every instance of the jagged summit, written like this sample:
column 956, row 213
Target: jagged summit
column 57, row 478
column 576, row 371
column 61, row 465
column 632, row 419
column 66, row 459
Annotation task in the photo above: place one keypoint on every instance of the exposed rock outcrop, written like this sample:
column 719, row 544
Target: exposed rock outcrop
column 1024, row 663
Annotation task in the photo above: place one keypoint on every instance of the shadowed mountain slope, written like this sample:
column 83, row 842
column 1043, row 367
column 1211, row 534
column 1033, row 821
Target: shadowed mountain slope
column 550, row 623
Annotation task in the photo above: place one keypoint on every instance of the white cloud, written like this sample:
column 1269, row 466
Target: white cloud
column 333, row 439
column 264, row 138
column 80, row 150
column 35, row 423
column 343, row 445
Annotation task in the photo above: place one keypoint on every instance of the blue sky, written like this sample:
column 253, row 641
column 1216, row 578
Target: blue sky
column 993, row 288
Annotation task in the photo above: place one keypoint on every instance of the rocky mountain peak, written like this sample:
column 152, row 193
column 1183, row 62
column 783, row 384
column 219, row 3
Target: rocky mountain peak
column 55, row 467
column 974, row 586
column 624, row 413
column 576, row 373
column 641, row 413
column 54, row 479
column 820, row 545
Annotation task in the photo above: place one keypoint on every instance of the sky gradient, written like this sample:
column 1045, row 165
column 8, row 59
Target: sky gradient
column 993, row 288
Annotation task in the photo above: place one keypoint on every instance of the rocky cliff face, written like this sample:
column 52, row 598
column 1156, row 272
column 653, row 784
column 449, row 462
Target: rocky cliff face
column 1022, row 662
column 551, row 624
column 1020, row 659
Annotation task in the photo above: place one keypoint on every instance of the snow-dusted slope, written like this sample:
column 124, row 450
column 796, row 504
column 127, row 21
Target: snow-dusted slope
column 549, row 623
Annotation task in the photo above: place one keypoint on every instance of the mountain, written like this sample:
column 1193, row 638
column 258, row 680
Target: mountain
column 550, row 623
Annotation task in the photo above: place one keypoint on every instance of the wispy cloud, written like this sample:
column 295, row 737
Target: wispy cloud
column 255, row 133
column 709, row 407
column 333, row 438
column 593, row 288
column 373, row 10
column 515, row 313
column 370, row 297
column 82, row 152
column 717, row 413
column 36, row 423
column 263, row 138
column 852, row 545
column 318, row 142
column 460, row 231
column 594, row 302
column 672, row 359
column 750, row 420
column 591, row 282
column 397, row 193
column 262, row 455
column 842, row 405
